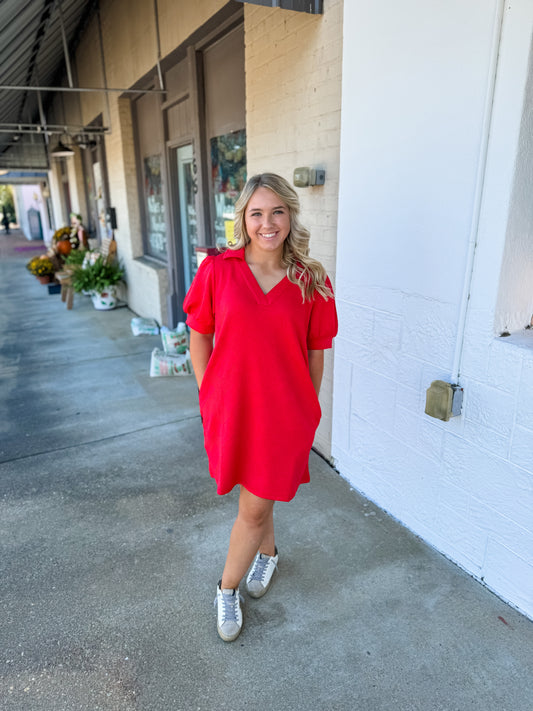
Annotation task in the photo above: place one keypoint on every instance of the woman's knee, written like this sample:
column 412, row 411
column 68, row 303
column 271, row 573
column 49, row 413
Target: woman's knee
column 253, row 510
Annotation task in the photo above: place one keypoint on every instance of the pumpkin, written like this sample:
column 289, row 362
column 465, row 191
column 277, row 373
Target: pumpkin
column 64, row 247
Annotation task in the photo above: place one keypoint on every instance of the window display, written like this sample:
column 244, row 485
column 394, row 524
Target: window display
column 188, row 188
column 228, row 174
column 155, row 209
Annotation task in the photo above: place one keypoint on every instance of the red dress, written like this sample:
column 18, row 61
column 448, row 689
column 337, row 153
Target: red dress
column 259, row 408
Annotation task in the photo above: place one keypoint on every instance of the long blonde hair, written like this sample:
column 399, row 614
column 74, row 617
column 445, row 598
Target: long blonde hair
column 302, row 270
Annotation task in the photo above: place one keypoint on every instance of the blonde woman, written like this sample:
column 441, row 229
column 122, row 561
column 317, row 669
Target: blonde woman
column 261, row 314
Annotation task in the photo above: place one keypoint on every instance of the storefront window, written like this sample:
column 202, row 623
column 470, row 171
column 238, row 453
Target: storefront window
column 155, row 210
column 228, row 171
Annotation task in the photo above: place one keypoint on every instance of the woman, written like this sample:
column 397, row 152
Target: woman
column 261, row 314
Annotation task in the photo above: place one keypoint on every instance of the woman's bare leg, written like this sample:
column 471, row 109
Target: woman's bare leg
column 268, row 544
column 253, row 527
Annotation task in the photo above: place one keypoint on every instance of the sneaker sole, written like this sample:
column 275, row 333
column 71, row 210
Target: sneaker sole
column 228, row 638
column 257, row 595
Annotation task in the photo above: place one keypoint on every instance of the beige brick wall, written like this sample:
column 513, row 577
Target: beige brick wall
column 293, row 105
column 178, row 19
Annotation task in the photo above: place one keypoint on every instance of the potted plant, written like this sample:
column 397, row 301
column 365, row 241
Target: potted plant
column 41, row 267
column 66, row 239
column 100, row 279
column 76, row 258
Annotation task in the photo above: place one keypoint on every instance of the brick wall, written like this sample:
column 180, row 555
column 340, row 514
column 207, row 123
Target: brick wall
column 293, row 101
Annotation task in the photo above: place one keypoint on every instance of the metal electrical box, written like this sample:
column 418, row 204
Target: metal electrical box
column 306, row 177
column 443, row 400
column 111, row 218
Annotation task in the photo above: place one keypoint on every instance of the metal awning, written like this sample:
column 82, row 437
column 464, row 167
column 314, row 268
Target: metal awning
column 33, row 37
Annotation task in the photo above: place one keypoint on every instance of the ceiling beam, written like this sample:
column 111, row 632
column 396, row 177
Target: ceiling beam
column 51, row 128
column 74, row 89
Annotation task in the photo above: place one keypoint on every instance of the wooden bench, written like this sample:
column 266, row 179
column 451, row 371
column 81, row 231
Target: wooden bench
column 67, row 290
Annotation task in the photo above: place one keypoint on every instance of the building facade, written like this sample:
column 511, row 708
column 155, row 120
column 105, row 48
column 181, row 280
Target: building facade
column 420, row 114
column 434, row 264
column 225, row 90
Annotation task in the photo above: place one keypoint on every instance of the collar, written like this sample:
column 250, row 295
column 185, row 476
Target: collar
column 234, row 254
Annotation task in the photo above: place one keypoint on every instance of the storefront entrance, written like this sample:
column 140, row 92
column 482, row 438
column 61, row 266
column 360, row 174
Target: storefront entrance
column 188, row 222
column 204, row 124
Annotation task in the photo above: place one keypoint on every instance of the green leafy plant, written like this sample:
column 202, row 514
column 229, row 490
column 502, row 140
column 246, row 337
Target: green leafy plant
column 40, row 266
column 98, row 276
column 75, row 258
column 7, row 203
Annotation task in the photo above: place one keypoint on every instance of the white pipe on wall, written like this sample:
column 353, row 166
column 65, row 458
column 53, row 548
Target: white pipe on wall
column 478, row 195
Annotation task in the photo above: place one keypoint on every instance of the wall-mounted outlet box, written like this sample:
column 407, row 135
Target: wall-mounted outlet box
column 443, row 400
column 306, row 177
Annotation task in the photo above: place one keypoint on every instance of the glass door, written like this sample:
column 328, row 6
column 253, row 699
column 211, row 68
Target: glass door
column 187, row 189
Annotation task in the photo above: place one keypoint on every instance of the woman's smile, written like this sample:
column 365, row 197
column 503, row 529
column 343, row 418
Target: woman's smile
column 267, row 221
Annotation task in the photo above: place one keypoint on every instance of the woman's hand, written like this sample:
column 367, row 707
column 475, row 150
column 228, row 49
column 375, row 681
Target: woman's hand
column 200, row 348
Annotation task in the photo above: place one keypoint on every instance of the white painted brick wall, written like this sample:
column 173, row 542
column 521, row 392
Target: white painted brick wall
column 509, row 574
column 465, row 486
column 55, row 193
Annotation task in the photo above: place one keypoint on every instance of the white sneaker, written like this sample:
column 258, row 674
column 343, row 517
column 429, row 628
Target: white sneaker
column 229, row 613
column 260, row 576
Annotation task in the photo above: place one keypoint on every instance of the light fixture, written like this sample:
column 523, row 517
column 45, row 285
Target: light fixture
column 61, row 151
column 84, row 141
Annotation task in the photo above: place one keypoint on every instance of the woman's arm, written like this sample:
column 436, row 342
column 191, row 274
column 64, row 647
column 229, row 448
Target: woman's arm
column 316, row 368
column 200, row 347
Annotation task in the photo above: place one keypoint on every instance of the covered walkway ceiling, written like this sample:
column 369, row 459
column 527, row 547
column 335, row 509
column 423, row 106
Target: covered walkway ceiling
column 35, row 37
column 38, row 38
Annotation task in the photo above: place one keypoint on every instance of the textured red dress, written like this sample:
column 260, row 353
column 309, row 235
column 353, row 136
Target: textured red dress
column 259, row 408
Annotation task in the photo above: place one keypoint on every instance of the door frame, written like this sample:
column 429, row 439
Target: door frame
column 176, row 270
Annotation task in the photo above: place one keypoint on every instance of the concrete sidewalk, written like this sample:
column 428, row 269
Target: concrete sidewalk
column 112, row 539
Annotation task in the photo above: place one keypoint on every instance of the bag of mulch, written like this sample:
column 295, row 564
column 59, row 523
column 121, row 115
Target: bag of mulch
column 177, row 341
column 144, row 326
column 164, row 364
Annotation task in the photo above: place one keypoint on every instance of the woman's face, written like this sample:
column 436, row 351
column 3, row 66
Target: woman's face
column 267, row 221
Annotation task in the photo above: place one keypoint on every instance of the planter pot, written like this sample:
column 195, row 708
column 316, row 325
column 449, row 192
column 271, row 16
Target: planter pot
column 106, row 300
column 44, row 278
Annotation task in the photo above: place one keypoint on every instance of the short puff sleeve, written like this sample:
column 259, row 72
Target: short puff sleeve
column 323, row 324
column 199, row 304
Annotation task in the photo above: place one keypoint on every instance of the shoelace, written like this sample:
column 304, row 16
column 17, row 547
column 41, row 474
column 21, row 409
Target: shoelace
column 260, row 566
column 229, row 607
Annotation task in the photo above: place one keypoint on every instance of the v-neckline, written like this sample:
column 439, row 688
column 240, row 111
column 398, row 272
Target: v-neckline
column 258, row 291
